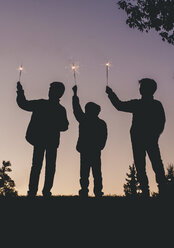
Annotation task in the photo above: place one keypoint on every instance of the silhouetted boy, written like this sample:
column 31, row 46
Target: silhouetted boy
column 147, row 125
column 92, row 139
column 47, row 121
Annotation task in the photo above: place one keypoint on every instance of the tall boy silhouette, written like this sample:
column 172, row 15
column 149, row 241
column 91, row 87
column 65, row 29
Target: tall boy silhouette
column 92, row 139
column 47, row 121
column 147, row 125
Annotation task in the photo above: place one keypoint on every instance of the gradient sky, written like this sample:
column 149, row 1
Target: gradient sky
column 46, row 36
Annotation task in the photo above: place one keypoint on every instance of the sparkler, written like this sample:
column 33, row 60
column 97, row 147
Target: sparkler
column 74, row 69
column 108, row 65
column 20, row 69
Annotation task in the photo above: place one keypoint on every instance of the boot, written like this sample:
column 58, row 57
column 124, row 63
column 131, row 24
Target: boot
column 83, row 193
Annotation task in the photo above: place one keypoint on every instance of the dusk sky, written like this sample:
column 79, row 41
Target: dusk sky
column 47, row 36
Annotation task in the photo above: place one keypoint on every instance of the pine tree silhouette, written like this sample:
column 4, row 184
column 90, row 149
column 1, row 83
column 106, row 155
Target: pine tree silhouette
column 131, row 187
column 7, row 185
column 170, row 178
column 170, row 173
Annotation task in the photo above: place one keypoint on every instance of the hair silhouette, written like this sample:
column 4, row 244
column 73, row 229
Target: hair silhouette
column 56, row 90
column 147, row 87
column 92, row 109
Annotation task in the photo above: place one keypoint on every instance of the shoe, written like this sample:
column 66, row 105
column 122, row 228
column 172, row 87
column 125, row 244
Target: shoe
column 47, row 195
column 31, row 195
column 99, row 194
column 83, row 194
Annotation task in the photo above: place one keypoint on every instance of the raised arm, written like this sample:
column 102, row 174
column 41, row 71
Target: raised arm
column 126, row 106
column 77, row 110
column 21, row 99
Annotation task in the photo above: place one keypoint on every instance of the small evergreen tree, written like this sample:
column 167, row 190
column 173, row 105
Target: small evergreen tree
column 7, row 185
column 131, row 187
column 170, row 178
column 170, row 173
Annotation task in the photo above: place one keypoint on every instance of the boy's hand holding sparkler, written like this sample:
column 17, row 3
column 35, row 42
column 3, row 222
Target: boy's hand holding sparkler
column 19, row 86
column 108, row 90
column 75, row 90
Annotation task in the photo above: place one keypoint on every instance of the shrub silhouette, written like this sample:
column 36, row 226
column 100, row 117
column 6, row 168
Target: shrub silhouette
column 7, row 185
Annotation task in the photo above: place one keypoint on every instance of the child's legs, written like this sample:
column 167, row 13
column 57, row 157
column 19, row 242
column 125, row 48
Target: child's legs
column 84, row 172
column 97, row 174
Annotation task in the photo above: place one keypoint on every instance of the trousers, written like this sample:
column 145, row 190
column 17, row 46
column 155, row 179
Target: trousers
column 87, row 161
column 140, row 148
column 37, row 162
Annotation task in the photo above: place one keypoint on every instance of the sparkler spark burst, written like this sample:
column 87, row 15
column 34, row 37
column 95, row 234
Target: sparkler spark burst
column 75, row 71
column 108, row 64
column 75, row 67
column 20, row 68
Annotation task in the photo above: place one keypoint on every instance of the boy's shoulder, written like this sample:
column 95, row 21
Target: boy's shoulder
column 62, row 107
column 157, row 101
column 42, row 100
column 101, row 121
column 134, row 101
column 47, row 102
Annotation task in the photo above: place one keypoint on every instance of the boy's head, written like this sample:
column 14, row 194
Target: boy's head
column 92, row 109
column 147, row 87
column 56, row 90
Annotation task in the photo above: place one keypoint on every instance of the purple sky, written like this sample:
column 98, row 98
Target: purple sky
column 46, row 36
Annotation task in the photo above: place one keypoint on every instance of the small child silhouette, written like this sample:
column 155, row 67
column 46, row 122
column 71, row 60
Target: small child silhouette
column 92, row 139
column 147, row 125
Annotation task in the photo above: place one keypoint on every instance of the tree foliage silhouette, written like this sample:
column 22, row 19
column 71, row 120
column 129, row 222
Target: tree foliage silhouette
column 131, row 187
column 170, row 173
column 151, row 14
column 170, row 178
column 7, row 185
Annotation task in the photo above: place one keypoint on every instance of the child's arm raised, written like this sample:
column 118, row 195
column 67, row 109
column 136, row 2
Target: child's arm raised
column 77, row 110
